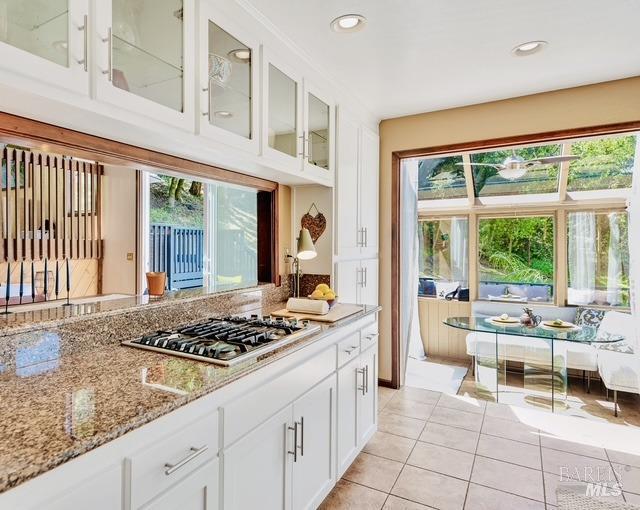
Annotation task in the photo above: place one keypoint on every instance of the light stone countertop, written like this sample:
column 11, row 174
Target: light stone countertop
column 58, row 401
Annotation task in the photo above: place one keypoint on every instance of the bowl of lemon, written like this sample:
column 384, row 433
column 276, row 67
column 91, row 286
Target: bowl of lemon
column 324, row 293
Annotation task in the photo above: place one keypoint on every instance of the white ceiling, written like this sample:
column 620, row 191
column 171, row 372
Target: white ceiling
column 424, row 55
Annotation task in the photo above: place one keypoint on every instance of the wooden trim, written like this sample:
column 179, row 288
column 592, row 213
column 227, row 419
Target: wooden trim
column 387, row 384
column 47, row 137
column 488, row 144
column 508, row 141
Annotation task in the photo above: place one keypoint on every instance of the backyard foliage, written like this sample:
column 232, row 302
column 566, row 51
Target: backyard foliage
column 516, row 249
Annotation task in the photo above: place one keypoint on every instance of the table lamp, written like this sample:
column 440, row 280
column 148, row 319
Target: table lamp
column 305, row 251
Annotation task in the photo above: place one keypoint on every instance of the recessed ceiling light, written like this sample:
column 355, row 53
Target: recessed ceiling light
column 349, row 23
column 223, row 113
column 528, row 48
column 242, row 55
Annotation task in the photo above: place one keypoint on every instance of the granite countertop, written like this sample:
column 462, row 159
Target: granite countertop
column 59, row 402
column 50, row 314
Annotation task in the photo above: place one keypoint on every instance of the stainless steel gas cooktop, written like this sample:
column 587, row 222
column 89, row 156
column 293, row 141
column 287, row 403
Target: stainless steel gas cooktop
column 226, row 340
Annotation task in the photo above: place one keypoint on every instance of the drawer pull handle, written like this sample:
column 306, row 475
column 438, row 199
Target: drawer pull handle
column 372, row 336
column 295, row 441
column 353, row 348
column 364, row 377
column 195, row 452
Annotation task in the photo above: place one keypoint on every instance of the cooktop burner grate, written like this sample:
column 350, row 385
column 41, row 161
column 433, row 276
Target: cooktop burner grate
column 226, row 340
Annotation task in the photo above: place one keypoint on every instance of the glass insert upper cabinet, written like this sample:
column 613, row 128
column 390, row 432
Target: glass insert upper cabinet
column 46, row 40
column 145, row 57
column 229, row 71
column 298, row 122
column 318, row 130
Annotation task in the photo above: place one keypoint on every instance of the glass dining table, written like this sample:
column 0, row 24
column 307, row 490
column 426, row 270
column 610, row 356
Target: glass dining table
column 543, row 351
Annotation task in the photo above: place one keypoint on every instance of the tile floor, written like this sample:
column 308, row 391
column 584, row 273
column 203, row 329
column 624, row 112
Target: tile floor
column 450, row 452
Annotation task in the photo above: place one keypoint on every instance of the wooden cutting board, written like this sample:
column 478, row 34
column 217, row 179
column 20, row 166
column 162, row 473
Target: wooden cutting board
column 340, row 311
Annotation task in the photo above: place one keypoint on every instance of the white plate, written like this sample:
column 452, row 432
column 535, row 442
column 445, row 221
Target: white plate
column 496, row 320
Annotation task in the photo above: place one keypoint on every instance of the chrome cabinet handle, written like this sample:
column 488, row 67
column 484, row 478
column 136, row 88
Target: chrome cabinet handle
column 196, row 452
column 301, row 436
column 364, row 277
column 304, row 141
column 361, row 371
column 109, row 41
column 366, row 379
column 353, row 348
column 207, row 113
column 295, row 441
column 365, row 237
column 85, row 62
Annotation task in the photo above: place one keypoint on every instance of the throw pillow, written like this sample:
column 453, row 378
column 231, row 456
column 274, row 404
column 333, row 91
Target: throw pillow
column 589, row 316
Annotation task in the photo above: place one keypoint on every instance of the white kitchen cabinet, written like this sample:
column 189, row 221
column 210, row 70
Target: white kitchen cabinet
column 347, row 198
column 368, row 191
column 229, row 88
column 257, row 469
column 282, row 136
column 357, row 281
column 318, row 134
column 368, row 402
column 347, row 426
column 314, row 465
column 369, row 282
column 145, row 56
column 298, row 121
column 47, row 42
column 357, row 176
column 198, row 491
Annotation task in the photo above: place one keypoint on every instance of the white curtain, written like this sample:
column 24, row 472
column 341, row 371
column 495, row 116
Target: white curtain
column 614, row 291
column 410, row 340
column 634, row 244
column 582, row 257
column 459, row 250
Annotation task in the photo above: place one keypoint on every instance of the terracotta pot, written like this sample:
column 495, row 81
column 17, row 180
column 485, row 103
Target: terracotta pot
column 156, row 282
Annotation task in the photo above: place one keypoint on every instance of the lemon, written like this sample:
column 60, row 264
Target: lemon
column 330, row 295
column 317, row 294
column 323, row 287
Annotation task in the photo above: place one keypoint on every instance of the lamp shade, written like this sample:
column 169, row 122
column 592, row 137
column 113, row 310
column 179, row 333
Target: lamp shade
column 306, row 249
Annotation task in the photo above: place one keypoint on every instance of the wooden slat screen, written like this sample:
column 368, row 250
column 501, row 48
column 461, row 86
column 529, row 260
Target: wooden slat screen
column 50, row 206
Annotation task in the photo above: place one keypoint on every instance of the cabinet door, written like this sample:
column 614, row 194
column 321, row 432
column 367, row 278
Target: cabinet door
column 348, row 281
column 347, row 201
column 314, row 467
column 229, row 80
column 198, row 491
column 47, row 42
column 319, row 134
column 368, row 401
column 347, row 414
column 282, row 113
column 257, row 469
column 369, row 282
column 369, row 183
column 145, row 53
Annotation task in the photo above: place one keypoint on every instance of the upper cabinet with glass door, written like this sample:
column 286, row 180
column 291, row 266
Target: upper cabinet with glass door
column 229, row 77
column 46, row 40
column 298, row 126
column 145, row 57
column 318, row 134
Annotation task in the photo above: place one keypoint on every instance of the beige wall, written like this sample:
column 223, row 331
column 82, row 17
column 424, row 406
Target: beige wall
column 302, row 199
column 284, row 226
column 119, row 230
column 592, row 105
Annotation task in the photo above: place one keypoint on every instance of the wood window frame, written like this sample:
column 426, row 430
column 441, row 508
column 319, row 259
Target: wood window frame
column 563, row 135
column 50, row 138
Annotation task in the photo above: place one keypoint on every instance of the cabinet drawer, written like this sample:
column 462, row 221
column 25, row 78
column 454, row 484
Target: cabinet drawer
column 155, row 469
column 369, row 336
column 348, row 349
